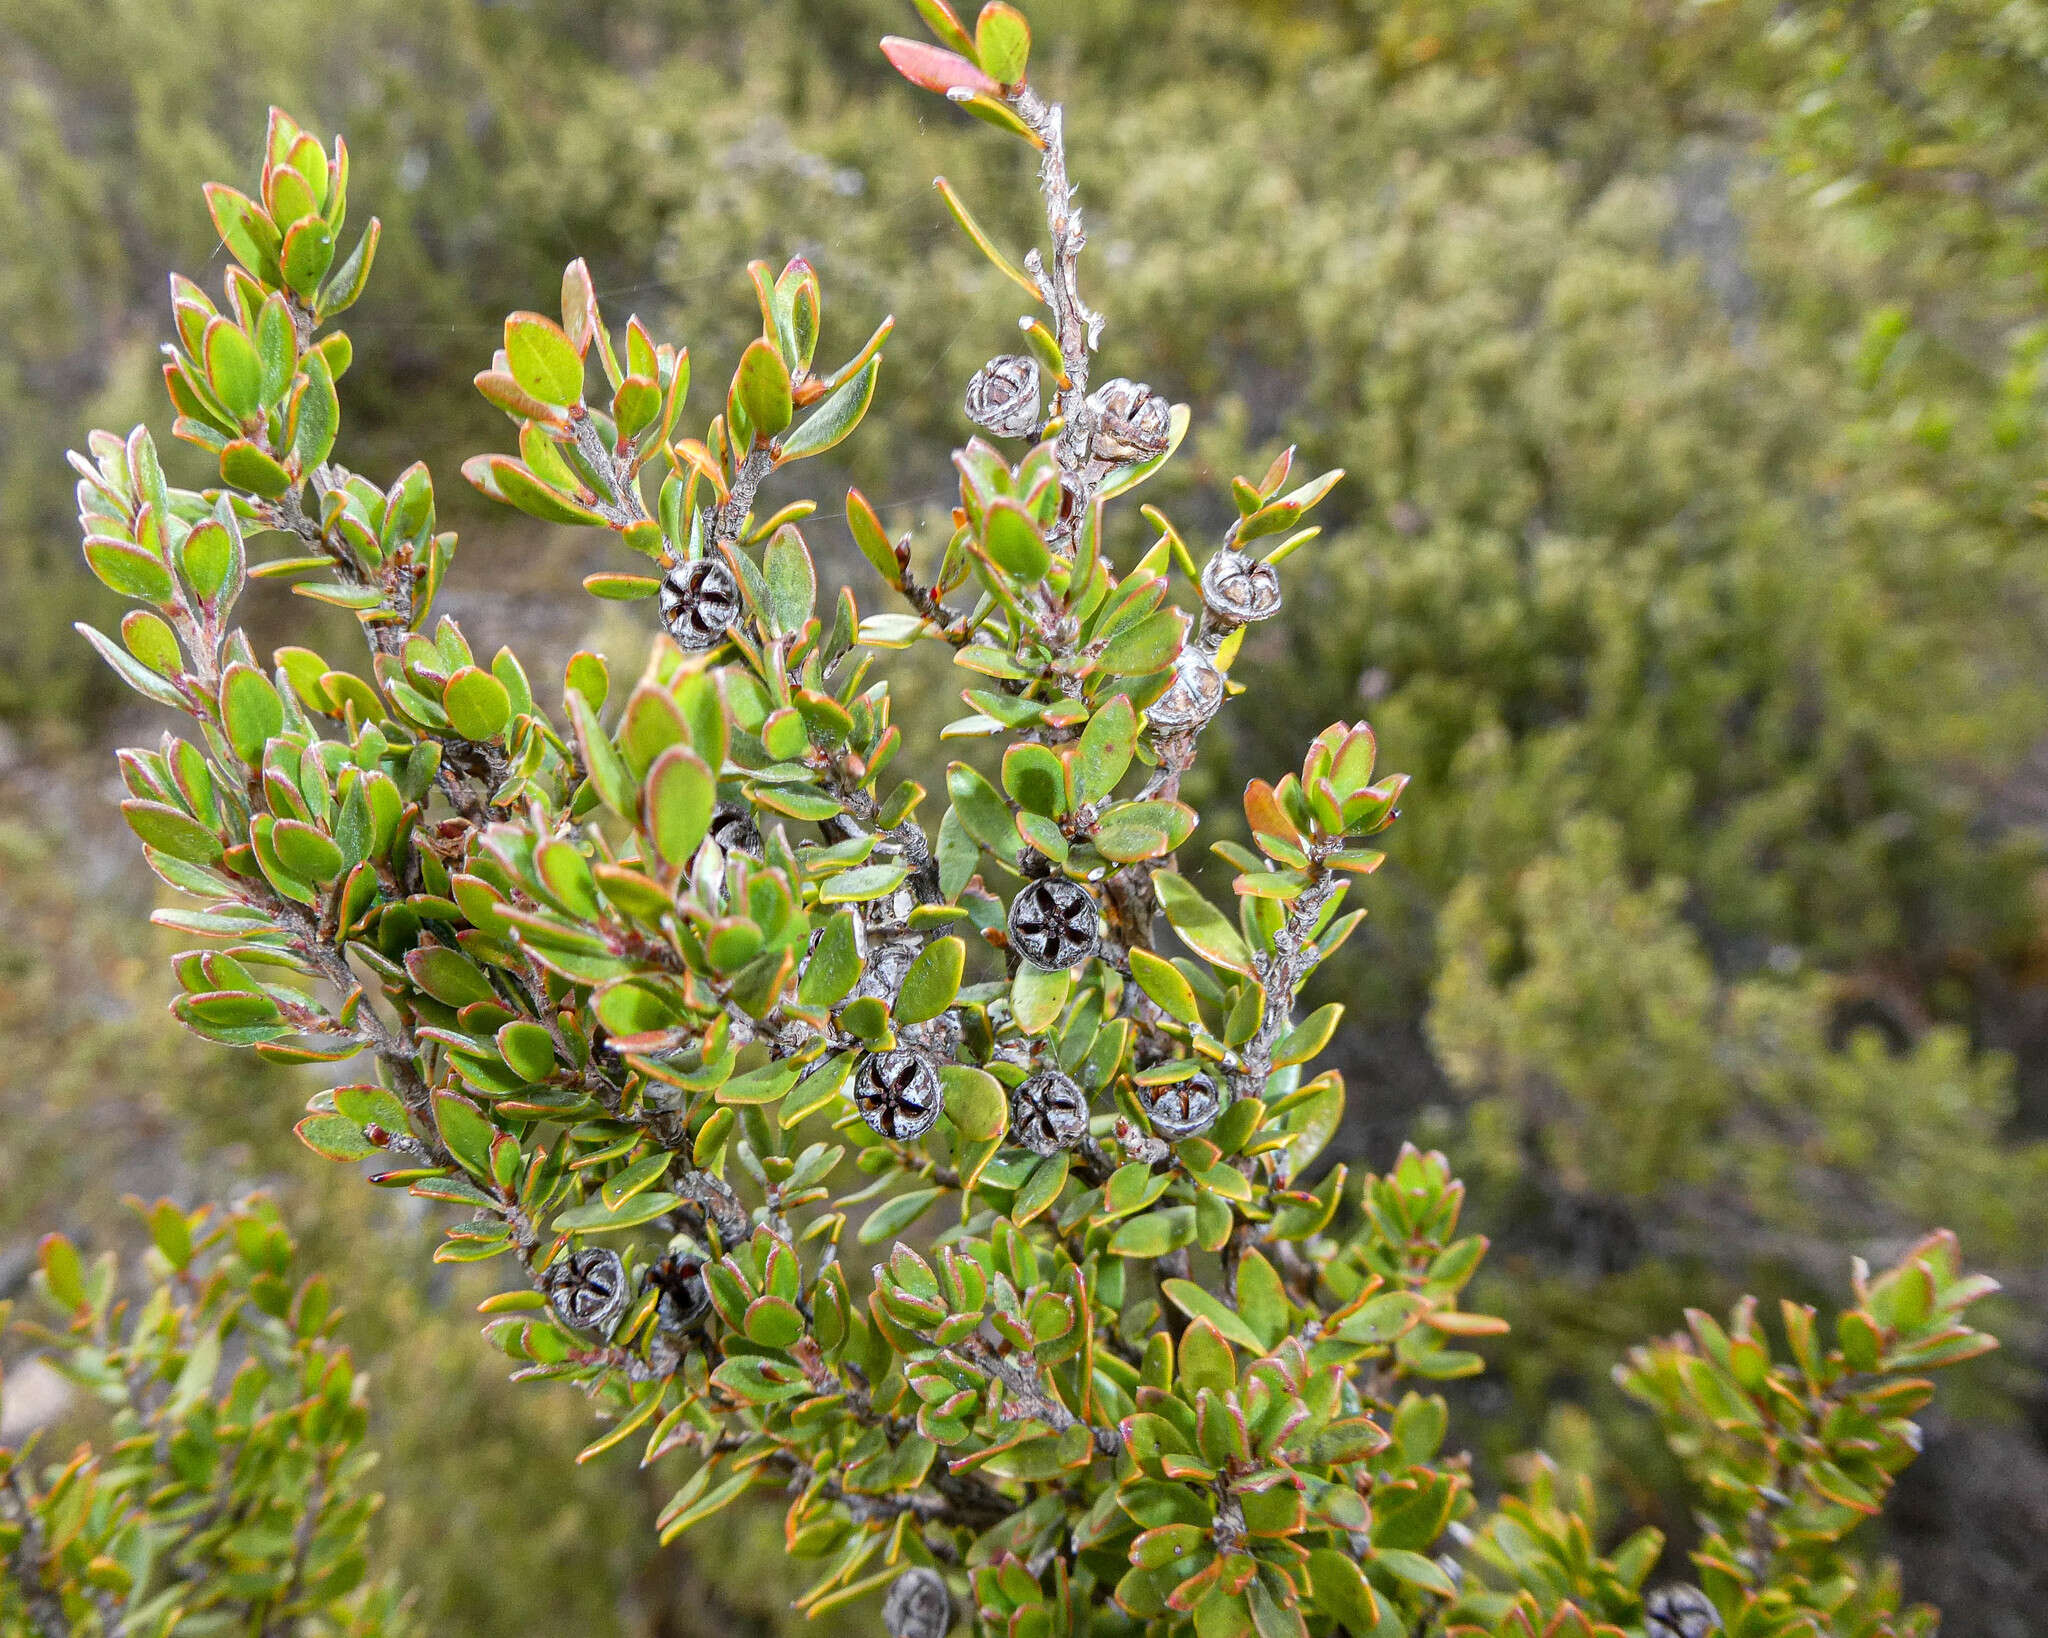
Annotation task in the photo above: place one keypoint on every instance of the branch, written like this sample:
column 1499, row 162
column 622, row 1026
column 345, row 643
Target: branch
column 1076, row 326
column 1024, row 1392
column 44, row 1604
column 730, row 515
column 1282, row 973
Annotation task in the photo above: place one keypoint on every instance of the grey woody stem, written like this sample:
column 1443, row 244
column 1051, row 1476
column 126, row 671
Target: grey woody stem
column 730, row 515
column 623, row 505
column 1294, row 952
column 1076, row 327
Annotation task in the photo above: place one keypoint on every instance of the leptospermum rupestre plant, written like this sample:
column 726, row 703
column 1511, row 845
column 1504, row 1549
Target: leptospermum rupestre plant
column 231, row 1499
column 685, row 999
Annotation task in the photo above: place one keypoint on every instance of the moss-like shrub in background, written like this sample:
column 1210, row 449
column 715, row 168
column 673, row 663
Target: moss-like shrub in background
column 647, row 987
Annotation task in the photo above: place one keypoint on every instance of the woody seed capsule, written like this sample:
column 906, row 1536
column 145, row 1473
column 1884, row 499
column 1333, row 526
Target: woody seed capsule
column 1003, row 397
column 1182, row 1109
column 679, row 1277
column 897, row 1093
column 699, row 599
column 733, row 829
column 1132, row 422
column 1679, row 1611
column 1240, row 588
column 588, row 1289
column 1048, row 1113
column 1052, row 923
column 1191, row 699
column 917, row 1605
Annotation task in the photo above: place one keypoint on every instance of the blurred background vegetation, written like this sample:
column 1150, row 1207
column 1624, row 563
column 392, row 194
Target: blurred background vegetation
column 1687, row 357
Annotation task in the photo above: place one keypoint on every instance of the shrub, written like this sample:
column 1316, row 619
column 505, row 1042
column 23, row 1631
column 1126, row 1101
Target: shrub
column 649, row 988
column 230, row 1498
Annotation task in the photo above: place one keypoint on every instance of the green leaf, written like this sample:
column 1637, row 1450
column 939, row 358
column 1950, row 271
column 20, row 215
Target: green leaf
column 195, row 1380
column 867, row 1018
column 1035, row 780
column 1107, row 745
column 773, row 1322
column 833, row 420
column 985, row 815
column 982, row 241
column 1154, row 1234
column 1383, row 1319
column 939, row 18
column 277, row 348
column 1196, row 1303
column 834, row 966
column 544, row 361
column 1262, row 1300
column 465, row 1131
column 760, row 1381
column 250, row 710
column 1416, row 1570
column 528, row 1049
column 478, row 705
column 863, row 883
column 760, row 386
column 233, row 370
column 169, row 831
column 692, row 1504
column 589, row 675
column 334, row 1137
column 449, row 976
column 371, row 1105
column 319, row 414
column 244, row 466
column 1308, row 1037
column 1012, row 539
column 601, row 759
column 505, row 479
column 866, row 527
column 247, row 232
column 791, row 581
column 354, row 273
column 975, row 1102
column 1041, row 1188
column 678, row 799
column 621, row 588
column 1147, row 646
column 894, row 1216
column 1162, row 981
column 1038, row 998
column 932, row 982
column 1002, row 42
column 305, row 852
column 63, row 1272
column 1199, row 923
column 126, row 568
column 1206, row 1360
column 595, row 1217
column 762, row 1085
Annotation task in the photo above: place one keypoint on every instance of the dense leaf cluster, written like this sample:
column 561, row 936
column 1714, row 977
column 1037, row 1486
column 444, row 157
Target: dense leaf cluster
column 230, row 1494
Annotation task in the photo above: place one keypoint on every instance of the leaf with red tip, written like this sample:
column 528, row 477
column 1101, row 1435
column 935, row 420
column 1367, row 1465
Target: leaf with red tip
column 936, row 69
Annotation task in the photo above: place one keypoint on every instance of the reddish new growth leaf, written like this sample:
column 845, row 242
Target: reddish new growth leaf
column 936, row 69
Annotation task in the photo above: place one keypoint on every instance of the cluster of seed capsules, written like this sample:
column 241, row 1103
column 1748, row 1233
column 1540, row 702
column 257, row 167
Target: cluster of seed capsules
column 1053, row 927
column 701, row 598
column 591, row 1289
column 1053, row 921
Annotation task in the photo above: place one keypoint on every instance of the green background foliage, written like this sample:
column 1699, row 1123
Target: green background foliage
column 1686, row 363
